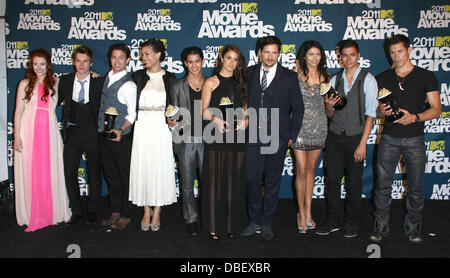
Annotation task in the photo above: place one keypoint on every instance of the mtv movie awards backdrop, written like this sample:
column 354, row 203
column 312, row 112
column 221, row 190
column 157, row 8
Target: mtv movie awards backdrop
column 62, row 25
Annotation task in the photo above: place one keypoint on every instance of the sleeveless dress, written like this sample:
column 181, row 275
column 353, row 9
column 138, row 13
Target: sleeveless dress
column 224, row 206
column 41, row 196
column 152, row 169
column 313, row 133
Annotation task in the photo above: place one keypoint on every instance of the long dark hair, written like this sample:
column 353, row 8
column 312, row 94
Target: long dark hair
column 49, row 80
column 239, row 73
column 301, row 57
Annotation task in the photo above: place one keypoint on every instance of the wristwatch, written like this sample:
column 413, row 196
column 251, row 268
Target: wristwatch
column 417, row 118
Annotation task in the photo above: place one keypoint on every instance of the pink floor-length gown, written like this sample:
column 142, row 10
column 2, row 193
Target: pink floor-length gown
column 41, row 191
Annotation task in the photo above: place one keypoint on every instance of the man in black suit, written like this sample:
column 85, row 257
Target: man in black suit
column 185, row 93
column 81, row 96
column 274, row 89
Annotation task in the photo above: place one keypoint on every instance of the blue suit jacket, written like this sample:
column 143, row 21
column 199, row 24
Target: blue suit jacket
column 286, row 96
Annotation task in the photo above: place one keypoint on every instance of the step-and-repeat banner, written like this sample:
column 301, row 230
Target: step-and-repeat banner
column 61, row 25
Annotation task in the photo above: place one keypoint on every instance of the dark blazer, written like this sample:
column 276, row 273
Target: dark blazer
column 140, row 77
column 65, row 90
column 286, row 96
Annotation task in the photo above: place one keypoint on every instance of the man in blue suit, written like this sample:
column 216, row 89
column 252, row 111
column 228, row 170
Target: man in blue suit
column 275, row 108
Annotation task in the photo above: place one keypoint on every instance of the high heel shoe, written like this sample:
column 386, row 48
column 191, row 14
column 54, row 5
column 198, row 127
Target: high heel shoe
column 155, row 227
column 145, row 227
column 310, row 225
column 301, row 229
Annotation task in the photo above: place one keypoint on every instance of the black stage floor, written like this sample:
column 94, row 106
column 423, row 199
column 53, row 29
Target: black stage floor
column 173, row 241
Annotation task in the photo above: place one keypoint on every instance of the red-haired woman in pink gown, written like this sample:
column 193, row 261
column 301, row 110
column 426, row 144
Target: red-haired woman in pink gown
column 40, row 191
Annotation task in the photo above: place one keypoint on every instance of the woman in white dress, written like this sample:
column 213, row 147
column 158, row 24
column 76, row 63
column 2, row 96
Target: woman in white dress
column 152, row 169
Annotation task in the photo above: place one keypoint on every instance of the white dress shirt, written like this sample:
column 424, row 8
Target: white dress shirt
column 126, row 94
column 270, row 75
column 77, row 89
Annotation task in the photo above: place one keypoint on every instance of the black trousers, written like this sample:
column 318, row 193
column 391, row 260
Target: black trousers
column 339, row 155
column 78, row 141
column 116, row 158
column 262, row 208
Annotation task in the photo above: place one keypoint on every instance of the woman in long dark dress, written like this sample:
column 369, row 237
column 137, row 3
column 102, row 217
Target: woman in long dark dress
column 224, row 209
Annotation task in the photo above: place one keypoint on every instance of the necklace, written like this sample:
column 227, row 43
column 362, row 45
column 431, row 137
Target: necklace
column 401, row 80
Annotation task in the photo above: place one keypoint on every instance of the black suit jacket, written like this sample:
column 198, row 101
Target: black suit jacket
column 65, row 90
column 286, row 97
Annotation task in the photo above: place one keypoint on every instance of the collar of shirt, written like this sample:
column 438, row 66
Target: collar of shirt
column 77, row 88
column 270, row 75
column 113, row 77
column 347, row 86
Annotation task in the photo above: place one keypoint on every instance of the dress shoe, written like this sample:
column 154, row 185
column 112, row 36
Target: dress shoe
column 74, row 219
column 115, row 216
column 266, row 232
column 120, row 224
column 381, row 231
column 91, row 218
column 192, row 228
column 251, row 229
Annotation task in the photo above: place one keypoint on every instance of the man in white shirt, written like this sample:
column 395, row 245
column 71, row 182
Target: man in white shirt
column 119, row 91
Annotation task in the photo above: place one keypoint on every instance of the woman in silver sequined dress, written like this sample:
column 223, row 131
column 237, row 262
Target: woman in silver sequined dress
column 311, row 69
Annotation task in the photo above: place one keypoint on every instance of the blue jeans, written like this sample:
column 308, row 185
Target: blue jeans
column 389, row 151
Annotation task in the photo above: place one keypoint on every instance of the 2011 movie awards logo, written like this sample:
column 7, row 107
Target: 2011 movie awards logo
column 234, row 20
column 431, row 53
column 287, row 56
column 373, row 25
column 438, row 125
column 156, row 20
column 174, row 66
column 17, row 54
column 437, row 162
column 210, row 54
column 333, row 60
column 184, row 1
column 445, row 94
column 82, row 181
column 332, row 2
column 68, row 3
column 95, row 26
column 36, row 20
column 62, row 54
column 437, row 17
column 307, row 21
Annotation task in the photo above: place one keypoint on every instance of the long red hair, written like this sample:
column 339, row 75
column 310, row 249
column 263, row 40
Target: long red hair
column 49, row 80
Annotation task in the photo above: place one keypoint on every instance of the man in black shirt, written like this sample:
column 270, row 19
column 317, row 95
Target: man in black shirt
column 410, row 86
column 185, row 93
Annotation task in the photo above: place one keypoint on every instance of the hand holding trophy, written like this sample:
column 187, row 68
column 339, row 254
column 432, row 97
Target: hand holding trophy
column 386, row 97
column 225, row 103
column 110, row 121
column 326, row 88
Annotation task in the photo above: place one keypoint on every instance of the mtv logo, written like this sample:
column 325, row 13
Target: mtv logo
column 107, row 16
column 75, row 46
column 317, row 12
column 387, row 13
column 443, row 41
column 22, row 45
column 288, row 48
column 250, row 8
column 164, row 41
column 81, row 172
column 447, row 8
column 196, row 183
column 445, row 115
column 437, row 145
column 47, row 12
column 166, row 12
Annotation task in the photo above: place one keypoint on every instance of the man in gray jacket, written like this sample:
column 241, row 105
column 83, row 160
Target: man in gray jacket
column 186, row 95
